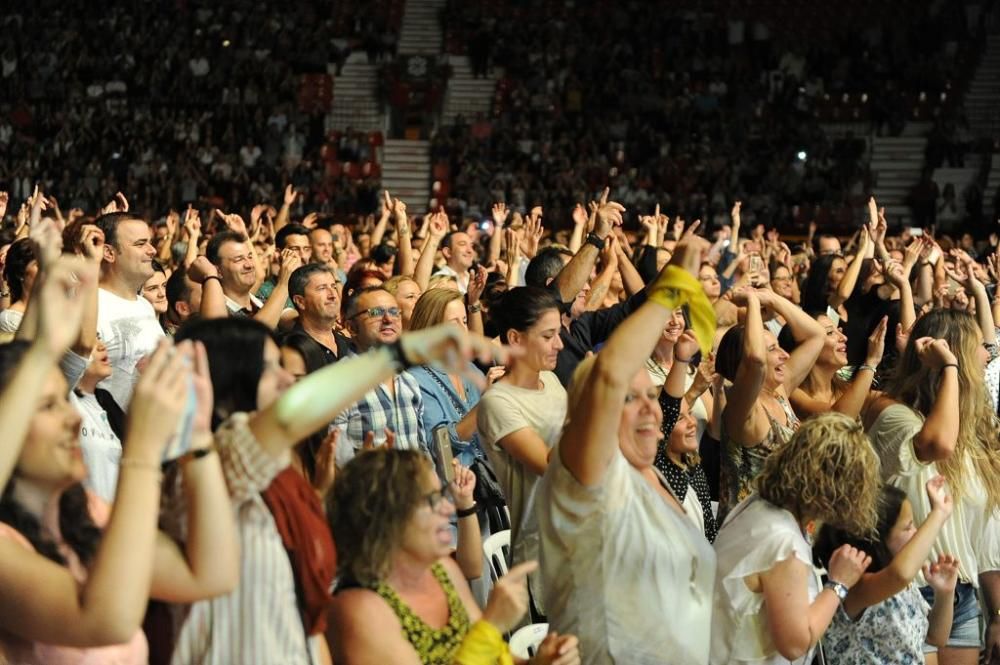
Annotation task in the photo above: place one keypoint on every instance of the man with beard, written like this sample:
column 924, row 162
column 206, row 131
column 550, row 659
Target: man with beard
column 392, row 413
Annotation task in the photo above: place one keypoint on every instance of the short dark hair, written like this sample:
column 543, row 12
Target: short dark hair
column 350, row 307
column 177, row 288
column 383, row 253
column 545, row 266
column 218, row 240
column 890, row 503
column 281, row 237
column 19, row 257
column 520, row 308
column 158, row 267
column 307, row 347
column 300, row 278
column 108, row 223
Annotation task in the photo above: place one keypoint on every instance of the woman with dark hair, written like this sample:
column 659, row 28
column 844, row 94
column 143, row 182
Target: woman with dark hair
column 19, row 271
column 757, row 417
column 288, row 560
column 822, row 287
column 75, row 573
column 823, row 388
column 402, row 599
column 521, row 417
column 884, row 620
column 155, row 290
column 935, row 418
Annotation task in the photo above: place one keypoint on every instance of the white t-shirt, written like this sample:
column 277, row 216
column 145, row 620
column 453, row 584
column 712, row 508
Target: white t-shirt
column 130, row 330
column 102, row 451
column 10, row 320
column 503, row 410
column 624, row 572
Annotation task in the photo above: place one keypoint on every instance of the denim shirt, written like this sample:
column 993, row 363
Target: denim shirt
column 440, row 409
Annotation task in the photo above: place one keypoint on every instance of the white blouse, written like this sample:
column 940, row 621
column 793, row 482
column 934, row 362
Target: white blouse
column 623, row 571
column 755, row 537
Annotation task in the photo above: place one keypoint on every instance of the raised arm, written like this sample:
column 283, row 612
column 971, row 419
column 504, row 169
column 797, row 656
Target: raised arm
column 436, row 231
column 318, row 398
column 575, row 274
column 388, row 208
column 213, row 300
column 579, row 228
column 42, row 601
column 285, row 213
column 808, row 333
column 873, row 588
column 847, row 284
column 740, row 414
column 404, row 259
column 500, row 214
column 590, row 439
column 209, row 563
column 937, row 438
column 270, row 313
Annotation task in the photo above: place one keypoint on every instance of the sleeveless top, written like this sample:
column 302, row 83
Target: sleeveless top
column 435, row 647
column 741, row 464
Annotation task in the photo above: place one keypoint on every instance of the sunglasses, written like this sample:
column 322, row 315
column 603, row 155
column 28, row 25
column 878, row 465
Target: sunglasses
column 435, row 498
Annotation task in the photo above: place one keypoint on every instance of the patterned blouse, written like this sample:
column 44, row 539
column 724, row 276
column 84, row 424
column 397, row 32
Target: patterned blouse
column 435, row 647
column 742, row 464
column 889, row 633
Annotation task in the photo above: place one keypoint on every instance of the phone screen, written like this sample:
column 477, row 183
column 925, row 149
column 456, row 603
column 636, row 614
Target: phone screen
column 181, row 443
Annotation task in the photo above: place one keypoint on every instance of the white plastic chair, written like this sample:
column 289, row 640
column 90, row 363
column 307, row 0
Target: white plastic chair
column 496, row 549
column 525, row 641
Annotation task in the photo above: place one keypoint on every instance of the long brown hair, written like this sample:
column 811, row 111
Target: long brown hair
column 916, row 385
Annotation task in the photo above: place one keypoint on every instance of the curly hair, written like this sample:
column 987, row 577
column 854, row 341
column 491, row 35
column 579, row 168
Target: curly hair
column 375, row 496
column 827, row 472
column 915, row 384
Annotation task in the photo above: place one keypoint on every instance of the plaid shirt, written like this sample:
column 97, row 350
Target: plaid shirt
column 378, row 410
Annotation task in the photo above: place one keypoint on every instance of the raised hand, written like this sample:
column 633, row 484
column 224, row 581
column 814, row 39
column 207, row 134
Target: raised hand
column 57, row 302
column 326, row 463
column 939, row 498
column 477, row 284
column 608, row 216
column 233, row 222
column 686, row 347
column 192, row 223
column 450, row 348
column 438, row 227
column 369, row 442
column 942, row 575
column 500, row 214
column 934, row 353
column 290, row 262
column 4, row 200
column 201, row 269
column 290, row 195
column 876, row 343
column 463, row 486
column 202, row 381
column 532, row 234
column 494, row 374
column 579, row 215
column 158, row 402
column 847, row 565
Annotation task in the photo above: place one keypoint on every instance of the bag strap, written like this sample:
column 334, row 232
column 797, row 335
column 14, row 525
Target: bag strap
column 451, row 395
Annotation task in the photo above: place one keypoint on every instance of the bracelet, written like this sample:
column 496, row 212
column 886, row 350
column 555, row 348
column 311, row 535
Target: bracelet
column 595, row 240
column 682, row 360
column 838, row 588
column 863, row 367
column 141, row 465
column 468, row 512
column 475, row 309
column 195, row 455
column 208, row 277
column 399, row 358
column 944, row 367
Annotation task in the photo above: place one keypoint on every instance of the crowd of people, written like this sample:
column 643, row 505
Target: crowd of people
column 209, row 114
column 729, row 98
column 273, row 438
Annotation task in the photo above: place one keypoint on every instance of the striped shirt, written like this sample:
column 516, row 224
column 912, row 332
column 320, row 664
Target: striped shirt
column 402, row 412
column 259, row 622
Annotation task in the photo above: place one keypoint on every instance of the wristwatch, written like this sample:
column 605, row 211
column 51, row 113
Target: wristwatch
column 837, row 588
column 596, row 241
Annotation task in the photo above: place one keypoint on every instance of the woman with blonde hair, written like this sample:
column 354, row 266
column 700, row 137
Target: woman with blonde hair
column 406, row 291
column 770, row 606
column 402, row 599
column 935, row 418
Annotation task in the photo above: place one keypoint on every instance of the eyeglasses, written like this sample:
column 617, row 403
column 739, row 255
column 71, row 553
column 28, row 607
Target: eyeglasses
column 379, row 312
column 435, row 498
